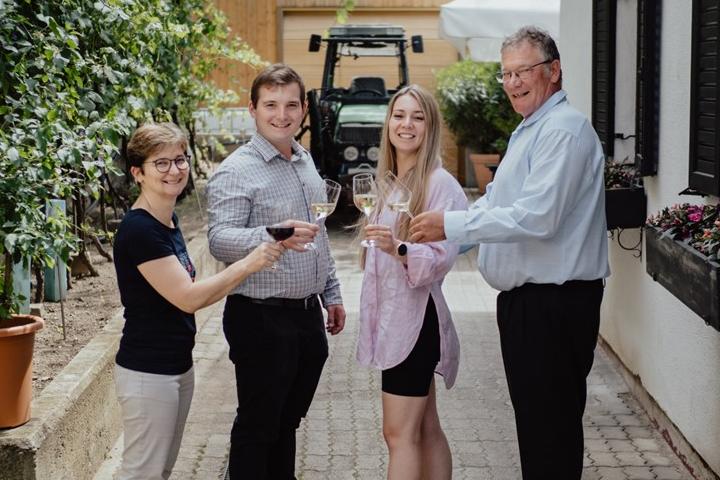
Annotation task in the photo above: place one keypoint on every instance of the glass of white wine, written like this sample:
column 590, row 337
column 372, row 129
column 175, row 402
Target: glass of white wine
column 395, row 194
column 365, row 198
column 323, row 203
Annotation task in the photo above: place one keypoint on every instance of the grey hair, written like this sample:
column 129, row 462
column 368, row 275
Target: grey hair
column 536, row 37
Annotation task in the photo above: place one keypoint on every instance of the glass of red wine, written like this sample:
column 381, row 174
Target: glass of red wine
column 281, row 230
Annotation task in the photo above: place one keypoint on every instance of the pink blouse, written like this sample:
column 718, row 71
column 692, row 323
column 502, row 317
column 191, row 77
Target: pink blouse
column 394, row 296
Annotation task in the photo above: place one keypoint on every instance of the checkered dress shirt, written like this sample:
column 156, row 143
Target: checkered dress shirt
column 243, row 195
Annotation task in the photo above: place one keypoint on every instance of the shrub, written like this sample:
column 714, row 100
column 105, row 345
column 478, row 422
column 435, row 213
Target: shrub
column 475, row 107
column 75, row 78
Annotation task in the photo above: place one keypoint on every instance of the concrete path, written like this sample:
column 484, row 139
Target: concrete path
column 341, row 437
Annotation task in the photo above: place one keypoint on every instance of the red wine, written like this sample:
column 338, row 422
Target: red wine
column 280, row 233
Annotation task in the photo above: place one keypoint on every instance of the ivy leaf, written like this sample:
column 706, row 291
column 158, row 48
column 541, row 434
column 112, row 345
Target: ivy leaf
column 71, row 42
column 95, row 97
column 87, row 104
column 13, row 155
column 60, row 62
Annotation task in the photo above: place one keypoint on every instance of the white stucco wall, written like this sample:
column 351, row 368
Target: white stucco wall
column 576, row 52
column 675, row 355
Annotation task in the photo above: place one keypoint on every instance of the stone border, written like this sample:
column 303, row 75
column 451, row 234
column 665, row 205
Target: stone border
column 76, row 418
column 693, row 462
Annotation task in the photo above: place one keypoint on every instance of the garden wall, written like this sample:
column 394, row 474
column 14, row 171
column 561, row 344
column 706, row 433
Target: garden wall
column 76, row 418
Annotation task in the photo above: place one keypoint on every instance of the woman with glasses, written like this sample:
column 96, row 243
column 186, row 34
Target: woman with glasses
column 154, row 368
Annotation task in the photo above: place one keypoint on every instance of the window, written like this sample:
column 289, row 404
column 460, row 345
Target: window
column 704, row 103
column 603, row 83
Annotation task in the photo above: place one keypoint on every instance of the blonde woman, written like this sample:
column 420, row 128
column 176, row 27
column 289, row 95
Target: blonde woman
column 405, row 325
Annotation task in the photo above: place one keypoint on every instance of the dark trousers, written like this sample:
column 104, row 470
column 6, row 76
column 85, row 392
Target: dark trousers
column 279, row 353
column 548, row 335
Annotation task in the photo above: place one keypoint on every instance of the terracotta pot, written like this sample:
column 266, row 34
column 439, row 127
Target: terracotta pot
column 17, row 339
column 484, row 165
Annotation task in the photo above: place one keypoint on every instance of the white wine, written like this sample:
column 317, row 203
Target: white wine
column 399, row 207
column 365, row 202
column 322, row 210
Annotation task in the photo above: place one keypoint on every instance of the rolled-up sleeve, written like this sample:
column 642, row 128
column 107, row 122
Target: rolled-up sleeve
column 229, row 207
column 430, row 262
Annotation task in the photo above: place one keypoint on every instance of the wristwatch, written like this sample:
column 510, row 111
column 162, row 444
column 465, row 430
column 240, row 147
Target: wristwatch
column 402, row 250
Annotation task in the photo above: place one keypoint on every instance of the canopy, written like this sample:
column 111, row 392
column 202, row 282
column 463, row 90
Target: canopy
column 478, row 27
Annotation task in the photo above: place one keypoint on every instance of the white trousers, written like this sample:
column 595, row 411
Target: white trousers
column 154, row 410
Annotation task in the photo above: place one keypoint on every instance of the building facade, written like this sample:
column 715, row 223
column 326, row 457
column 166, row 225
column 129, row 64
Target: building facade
column 647, row 73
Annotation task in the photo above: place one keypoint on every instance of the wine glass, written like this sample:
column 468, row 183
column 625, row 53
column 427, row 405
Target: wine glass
column 365, row 198
column 323, row 203
column 395, row 194
column 280, row 229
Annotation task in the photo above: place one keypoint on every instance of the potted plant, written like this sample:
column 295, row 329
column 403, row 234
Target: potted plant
column 477, row 111
column 682, row 249
column 26, row 235
column 625, row 200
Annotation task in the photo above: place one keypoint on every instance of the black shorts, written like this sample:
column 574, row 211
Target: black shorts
column 412, row 377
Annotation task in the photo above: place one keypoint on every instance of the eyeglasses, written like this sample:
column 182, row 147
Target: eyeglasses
column 523, row 74
column 162, row 165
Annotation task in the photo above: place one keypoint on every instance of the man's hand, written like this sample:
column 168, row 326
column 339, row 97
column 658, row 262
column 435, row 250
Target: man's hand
column 304, row 233
column 428, row 227
column 336, row 319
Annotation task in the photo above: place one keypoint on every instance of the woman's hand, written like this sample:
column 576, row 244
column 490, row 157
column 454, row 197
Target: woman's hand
column 383, row 236
column 263, row 256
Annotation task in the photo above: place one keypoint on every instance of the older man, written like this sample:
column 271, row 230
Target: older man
column 543, row 244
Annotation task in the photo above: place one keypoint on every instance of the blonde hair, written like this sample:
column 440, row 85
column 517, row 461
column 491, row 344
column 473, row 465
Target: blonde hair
column 428, row 157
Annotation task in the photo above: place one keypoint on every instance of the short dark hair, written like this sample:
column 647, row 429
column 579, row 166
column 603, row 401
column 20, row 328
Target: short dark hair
column 536, row 37
column 274, row 75
column 152, row 137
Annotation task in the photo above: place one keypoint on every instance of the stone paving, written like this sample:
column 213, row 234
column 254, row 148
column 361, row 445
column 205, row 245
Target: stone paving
column 341, row 437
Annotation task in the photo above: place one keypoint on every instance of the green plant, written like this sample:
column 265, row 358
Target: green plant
column 475, row 107
column 76, row 76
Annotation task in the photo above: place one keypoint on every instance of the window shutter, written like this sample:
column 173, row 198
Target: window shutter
column 647, row 96
column 603, row 83
column 704, row 105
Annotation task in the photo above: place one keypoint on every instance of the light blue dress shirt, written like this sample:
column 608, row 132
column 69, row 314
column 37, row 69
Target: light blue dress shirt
column 542, row 219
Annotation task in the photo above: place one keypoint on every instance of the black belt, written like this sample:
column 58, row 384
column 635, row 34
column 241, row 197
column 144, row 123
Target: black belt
column 306, row 303
column 568, row 284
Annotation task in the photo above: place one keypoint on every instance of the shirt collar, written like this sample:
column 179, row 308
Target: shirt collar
column 268, row 151
column 554, row 99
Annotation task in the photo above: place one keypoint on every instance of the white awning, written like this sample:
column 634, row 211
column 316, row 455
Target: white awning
column 477, row 27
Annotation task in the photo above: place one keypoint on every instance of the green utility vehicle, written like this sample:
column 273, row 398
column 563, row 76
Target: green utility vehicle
column 345, row 122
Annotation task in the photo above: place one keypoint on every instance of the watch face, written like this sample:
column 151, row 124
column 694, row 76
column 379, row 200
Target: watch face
column 402, row 249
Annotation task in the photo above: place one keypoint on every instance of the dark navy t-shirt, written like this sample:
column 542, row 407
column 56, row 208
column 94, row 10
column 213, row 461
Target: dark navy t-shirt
column 158, row 337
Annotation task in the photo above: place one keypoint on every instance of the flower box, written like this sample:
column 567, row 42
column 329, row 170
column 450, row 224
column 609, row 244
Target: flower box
column 625, row 207
column 686, row 273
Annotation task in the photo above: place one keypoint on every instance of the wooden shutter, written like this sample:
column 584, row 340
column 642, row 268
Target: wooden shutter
column 704, row 105
column 647, row 96
column 603, row 82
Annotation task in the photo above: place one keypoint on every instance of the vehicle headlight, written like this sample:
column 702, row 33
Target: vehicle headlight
column 373, row 153
column 351, row 153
